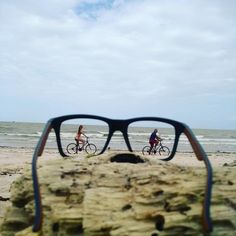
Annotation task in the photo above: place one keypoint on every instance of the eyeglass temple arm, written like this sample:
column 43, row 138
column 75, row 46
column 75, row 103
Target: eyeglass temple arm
column 202, row 156
column 197, row 148
column 38, row 152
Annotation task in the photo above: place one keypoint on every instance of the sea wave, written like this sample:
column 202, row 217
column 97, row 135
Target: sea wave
column 37, row 134
column 27, row 135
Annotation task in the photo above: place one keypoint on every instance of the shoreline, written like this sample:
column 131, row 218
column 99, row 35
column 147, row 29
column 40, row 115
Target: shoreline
column 55, row 149
column 15, row 158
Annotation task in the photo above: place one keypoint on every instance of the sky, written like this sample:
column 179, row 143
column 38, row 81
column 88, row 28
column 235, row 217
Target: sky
column 119, row 59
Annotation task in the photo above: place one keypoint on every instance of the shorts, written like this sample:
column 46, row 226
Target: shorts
column 152, row 142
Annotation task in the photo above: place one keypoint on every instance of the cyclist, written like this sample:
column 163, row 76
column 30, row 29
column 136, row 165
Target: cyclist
column 154, row 139
column 78, row 136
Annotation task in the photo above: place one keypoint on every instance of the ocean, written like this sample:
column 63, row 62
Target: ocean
column 26, row 135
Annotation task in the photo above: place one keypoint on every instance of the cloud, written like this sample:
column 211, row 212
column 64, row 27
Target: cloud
column 152, row 53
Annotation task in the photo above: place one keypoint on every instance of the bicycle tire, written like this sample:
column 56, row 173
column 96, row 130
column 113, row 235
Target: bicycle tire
column 71, row 148
column 146, row 150
column 91, row 148
column 164, row 151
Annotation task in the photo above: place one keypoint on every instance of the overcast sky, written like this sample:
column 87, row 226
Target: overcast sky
column 119, row 59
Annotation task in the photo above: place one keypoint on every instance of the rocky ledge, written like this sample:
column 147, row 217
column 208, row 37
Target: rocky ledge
column 119, row 195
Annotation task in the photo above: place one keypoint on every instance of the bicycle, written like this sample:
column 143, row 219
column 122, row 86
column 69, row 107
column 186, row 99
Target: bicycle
column 74, row 148
column 162, row 150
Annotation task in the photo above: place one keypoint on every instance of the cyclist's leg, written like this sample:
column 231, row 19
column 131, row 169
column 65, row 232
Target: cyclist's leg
column 156, row 143
column 155, row 146
column 151, row 147
column 83, row 143
column 77, row 145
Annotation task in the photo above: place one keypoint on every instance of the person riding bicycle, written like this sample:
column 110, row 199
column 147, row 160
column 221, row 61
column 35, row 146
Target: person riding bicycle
column 78, row 136
column 154, row 139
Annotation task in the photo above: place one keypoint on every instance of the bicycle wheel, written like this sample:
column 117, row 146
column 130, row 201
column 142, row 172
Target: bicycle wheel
column 164, row 151
column 91, row 148
column 146, row 150
column 71, row 148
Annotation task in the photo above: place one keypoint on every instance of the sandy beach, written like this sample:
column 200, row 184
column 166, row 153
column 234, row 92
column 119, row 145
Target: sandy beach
column 12, row 163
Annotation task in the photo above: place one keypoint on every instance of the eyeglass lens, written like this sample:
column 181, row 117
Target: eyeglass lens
column 146, row 134
column 90, row 135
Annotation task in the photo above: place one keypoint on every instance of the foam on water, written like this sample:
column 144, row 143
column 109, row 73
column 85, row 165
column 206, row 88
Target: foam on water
column 26, row 135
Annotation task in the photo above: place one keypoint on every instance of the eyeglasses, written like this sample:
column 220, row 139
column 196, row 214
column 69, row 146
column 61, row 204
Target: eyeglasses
column 100, row 130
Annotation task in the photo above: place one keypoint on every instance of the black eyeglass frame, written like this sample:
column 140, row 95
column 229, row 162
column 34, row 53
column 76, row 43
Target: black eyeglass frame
column 122, row 126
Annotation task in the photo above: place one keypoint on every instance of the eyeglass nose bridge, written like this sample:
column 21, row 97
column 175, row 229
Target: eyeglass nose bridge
column 122, row 126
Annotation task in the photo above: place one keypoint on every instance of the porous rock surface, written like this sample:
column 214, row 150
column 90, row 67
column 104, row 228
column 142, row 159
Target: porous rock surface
column 121, row 195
